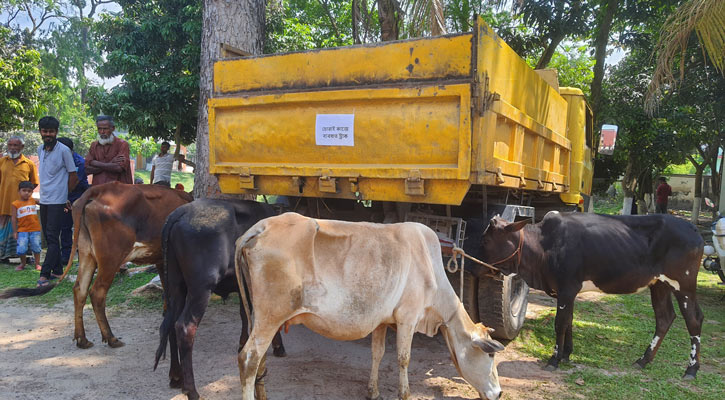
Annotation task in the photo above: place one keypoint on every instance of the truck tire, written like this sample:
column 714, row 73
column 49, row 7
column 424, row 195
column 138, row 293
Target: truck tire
column 501, row 304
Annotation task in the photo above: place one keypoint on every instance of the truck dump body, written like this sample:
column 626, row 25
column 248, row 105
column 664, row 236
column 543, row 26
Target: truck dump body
column 411, row 121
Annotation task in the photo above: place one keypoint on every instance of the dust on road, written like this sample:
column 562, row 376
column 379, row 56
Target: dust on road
column 39, row 360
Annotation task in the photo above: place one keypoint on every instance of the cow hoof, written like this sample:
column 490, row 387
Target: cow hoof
column 373, row 398
column 192, row 396
column 691, row 373
column 115, row 343
column 259, row 391
column 83, row 343
column 639, row 364
column 279, row 352
column 550, row 368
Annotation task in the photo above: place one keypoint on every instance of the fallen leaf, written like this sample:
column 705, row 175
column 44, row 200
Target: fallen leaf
column 579, row 382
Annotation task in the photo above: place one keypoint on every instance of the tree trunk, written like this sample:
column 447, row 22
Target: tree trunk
column 82, row 80
column 698, row 193
column 389, row 29
column 643, row 189
column 239, row 24
column 717, row 186
column 629, row 183
column 600, row 53
column 549, row 52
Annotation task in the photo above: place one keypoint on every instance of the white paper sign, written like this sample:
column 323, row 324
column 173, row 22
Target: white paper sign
column 335, row 130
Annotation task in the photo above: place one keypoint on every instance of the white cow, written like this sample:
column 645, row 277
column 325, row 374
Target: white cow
column 345, row 280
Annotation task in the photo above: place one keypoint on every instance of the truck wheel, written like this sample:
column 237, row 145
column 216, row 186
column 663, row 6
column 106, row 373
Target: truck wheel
column 501, row 304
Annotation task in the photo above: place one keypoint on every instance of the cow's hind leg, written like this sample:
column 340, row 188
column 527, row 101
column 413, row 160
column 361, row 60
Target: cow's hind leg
column 177, row 293
column 251, row 361
column 378, row 349
column 692, row 313
column 186, row 326
column 99, row 290
column 277, row 344
column 664, row 315
column 86, row 268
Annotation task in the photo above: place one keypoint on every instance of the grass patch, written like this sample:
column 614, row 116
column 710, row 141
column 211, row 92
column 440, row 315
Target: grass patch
column 610, row 334
column 118, row 294
column 184, row 178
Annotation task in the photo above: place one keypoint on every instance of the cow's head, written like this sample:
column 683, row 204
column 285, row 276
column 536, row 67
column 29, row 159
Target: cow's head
column 502, row 243
column 473, row 356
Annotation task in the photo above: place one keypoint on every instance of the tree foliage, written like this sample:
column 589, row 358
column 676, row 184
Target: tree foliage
column 707, row 19
column 154, row 45
column 294, row 25
column 59, row 31
column 23, row 84
column 554, row 21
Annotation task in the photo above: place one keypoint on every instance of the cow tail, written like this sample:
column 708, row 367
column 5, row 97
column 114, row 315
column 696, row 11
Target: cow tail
column 242, row 270
column 168, row 321
column 78, row 208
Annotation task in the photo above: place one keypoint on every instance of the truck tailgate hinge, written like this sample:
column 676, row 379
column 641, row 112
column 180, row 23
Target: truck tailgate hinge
column 414, row 184
column 327, row 184
column 246, row 179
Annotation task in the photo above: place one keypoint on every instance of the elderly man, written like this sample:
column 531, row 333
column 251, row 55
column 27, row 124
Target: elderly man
column 108, row 159
column 14, row 168
column 57, row 178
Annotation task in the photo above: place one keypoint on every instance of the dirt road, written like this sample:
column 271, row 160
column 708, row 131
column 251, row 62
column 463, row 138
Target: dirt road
column 39, row 360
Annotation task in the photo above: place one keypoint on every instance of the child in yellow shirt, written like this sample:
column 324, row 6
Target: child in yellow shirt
column 26, row 226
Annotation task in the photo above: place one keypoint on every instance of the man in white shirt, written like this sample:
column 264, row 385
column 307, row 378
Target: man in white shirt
column 161, row 166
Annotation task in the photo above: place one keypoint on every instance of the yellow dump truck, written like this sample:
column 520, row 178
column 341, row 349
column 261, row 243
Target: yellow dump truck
column 445, row 130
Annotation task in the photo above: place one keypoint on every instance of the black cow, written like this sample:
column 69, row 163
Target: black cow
column 198, row 246
column 568, row 253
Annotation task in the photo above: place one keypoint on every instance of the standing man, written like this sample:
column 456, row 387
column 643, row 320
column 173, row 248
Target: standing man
column 57, row 175
column 162, row 165
column 108, row 159
column 663, row 192
column 66, row 228
column 14, row 168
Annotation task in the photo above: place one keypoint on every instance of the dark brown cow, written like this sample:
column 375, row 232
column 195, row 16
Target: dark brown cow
column 114, row 223
column 568, row 253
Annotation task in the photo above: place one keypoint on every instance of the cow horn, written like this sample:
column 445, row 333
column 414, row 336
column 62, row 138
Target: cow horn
column 488, row 345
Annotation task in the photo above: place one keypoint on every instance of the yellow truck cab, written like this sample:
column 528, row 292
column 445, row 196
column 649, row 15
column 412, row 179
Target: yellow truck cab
column 445, row 130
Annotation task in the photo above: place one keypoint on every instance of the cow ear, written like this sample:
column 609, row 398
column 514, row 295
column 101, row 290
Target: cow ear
column 488, row 345
column 517, row 226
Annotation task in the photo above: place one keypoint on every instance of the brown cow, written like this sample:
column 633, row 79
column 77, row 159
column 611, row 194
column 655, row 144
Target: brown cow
column 114, row 223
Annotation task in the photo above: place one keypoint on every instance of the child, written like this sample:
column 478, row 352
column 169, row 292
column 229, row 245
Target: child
column 26, row 227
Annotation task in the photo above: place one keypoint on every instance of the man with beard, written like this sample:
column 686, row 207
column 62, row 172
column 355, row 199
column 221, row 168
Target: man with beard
column 14, row 168
column 57, row 175
column 108, row 159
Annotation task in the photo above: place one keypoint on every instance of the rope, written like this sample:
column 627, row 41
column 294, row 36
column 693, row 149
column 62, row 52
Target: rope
column 457, row 250
column 454, row 260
